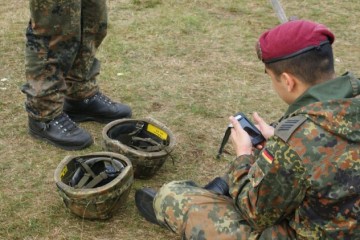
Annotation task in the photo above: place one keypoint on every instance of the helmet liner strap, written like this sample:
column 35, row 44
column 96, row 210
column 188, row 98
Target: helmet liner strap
column 87, row 169
column 140, row 143
column 85, row 166
column 96, row 180
column 83, row 181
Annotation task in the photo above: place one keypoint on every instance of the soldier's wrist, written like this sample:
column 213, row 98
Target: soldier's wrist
column 243, row 151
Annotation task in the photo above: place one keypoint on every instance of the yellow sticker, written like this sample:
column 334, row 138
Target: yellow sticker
column 157, row 131
column 63, row 172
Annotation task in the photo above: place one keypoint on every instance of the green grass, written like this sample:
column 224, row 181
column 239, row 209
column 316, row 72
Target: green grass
column 188, row 64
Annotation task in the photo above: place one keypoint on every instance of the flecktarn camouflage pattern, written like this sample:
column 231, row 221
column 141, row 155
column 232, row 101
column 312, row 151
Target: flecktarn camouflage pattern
column 304, row 184
column 62, row 39
column 196, row 213
column 94, row 202
column 146, row 142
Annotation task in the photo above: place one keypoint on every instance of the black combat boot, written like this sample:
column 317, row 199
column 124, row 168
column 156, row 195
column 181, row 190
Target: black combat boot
column 97, row 108
column 144, row 199
column 219, row 186
column 61, row 132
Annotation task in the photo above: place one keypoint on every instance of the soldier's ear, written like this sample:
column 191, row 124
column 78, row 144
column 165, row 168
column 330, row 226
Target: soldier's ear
column 289, row 81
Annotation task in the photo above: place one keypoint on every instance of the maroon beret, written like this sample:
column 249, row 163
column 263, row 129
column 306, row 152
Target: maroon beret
column 291, row 39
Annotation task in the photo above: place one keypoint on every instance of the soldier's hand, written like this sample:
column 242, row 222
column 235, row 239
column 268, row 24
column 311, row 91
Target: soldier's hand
column 266, row 130
column 240, row 139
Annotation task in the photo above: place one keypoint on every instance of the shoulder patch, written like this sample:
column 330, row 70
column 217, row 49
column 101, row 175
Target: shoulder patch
column 285, row 128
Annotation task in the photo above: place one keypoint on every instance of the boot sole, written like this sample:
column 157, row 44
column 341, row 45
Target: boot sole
column 69, row 148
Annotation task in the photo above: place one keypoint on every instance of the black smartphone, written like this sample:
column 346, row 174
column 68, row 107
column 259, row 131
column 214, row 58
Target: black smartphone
column 249, row 127
column 254, row 133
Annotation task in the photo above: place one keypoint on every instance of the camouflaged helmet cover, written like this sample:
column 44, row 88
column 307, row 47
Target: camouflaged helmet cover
column 116, row 138
column 99, row 202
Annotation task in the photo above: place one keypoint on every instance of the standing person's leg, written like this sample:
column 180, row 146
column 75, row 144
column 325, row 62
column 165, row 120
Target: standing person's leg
column 81, row 80
column 196, row 213
column 53, row 38
column 84, row 102
column 52, row 42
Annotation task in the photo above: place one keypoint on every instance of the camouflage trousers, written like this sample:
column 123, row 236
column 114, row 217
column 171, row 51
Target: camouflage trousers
column 198, row 214
column 61, row 41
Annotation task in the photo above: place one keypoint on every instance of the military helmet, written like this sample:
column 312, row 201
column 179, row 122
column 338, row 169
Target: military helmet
column 94, row 186
column 146, row 142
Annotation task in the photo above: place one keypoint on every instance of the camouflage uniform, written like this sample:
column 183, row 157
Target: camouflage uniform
column 305, row 183
column 62, row 39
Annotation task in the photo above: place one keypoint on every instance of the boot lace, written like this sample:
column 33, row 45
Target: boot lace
column 64, row 123
column 100, row 97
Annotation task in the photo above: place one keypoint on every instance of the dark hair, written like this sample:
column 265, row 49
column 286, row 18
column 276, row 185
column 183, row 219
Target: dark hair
column 311, row 67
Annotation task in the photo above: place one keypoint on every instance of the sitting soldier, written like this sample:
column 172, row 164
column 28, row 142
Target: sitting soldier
column 304, row 182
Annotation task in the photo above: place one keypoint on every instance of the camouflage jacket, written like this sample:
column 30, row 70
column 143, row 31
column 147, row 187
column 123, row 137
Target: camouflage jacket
column 309, row 172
